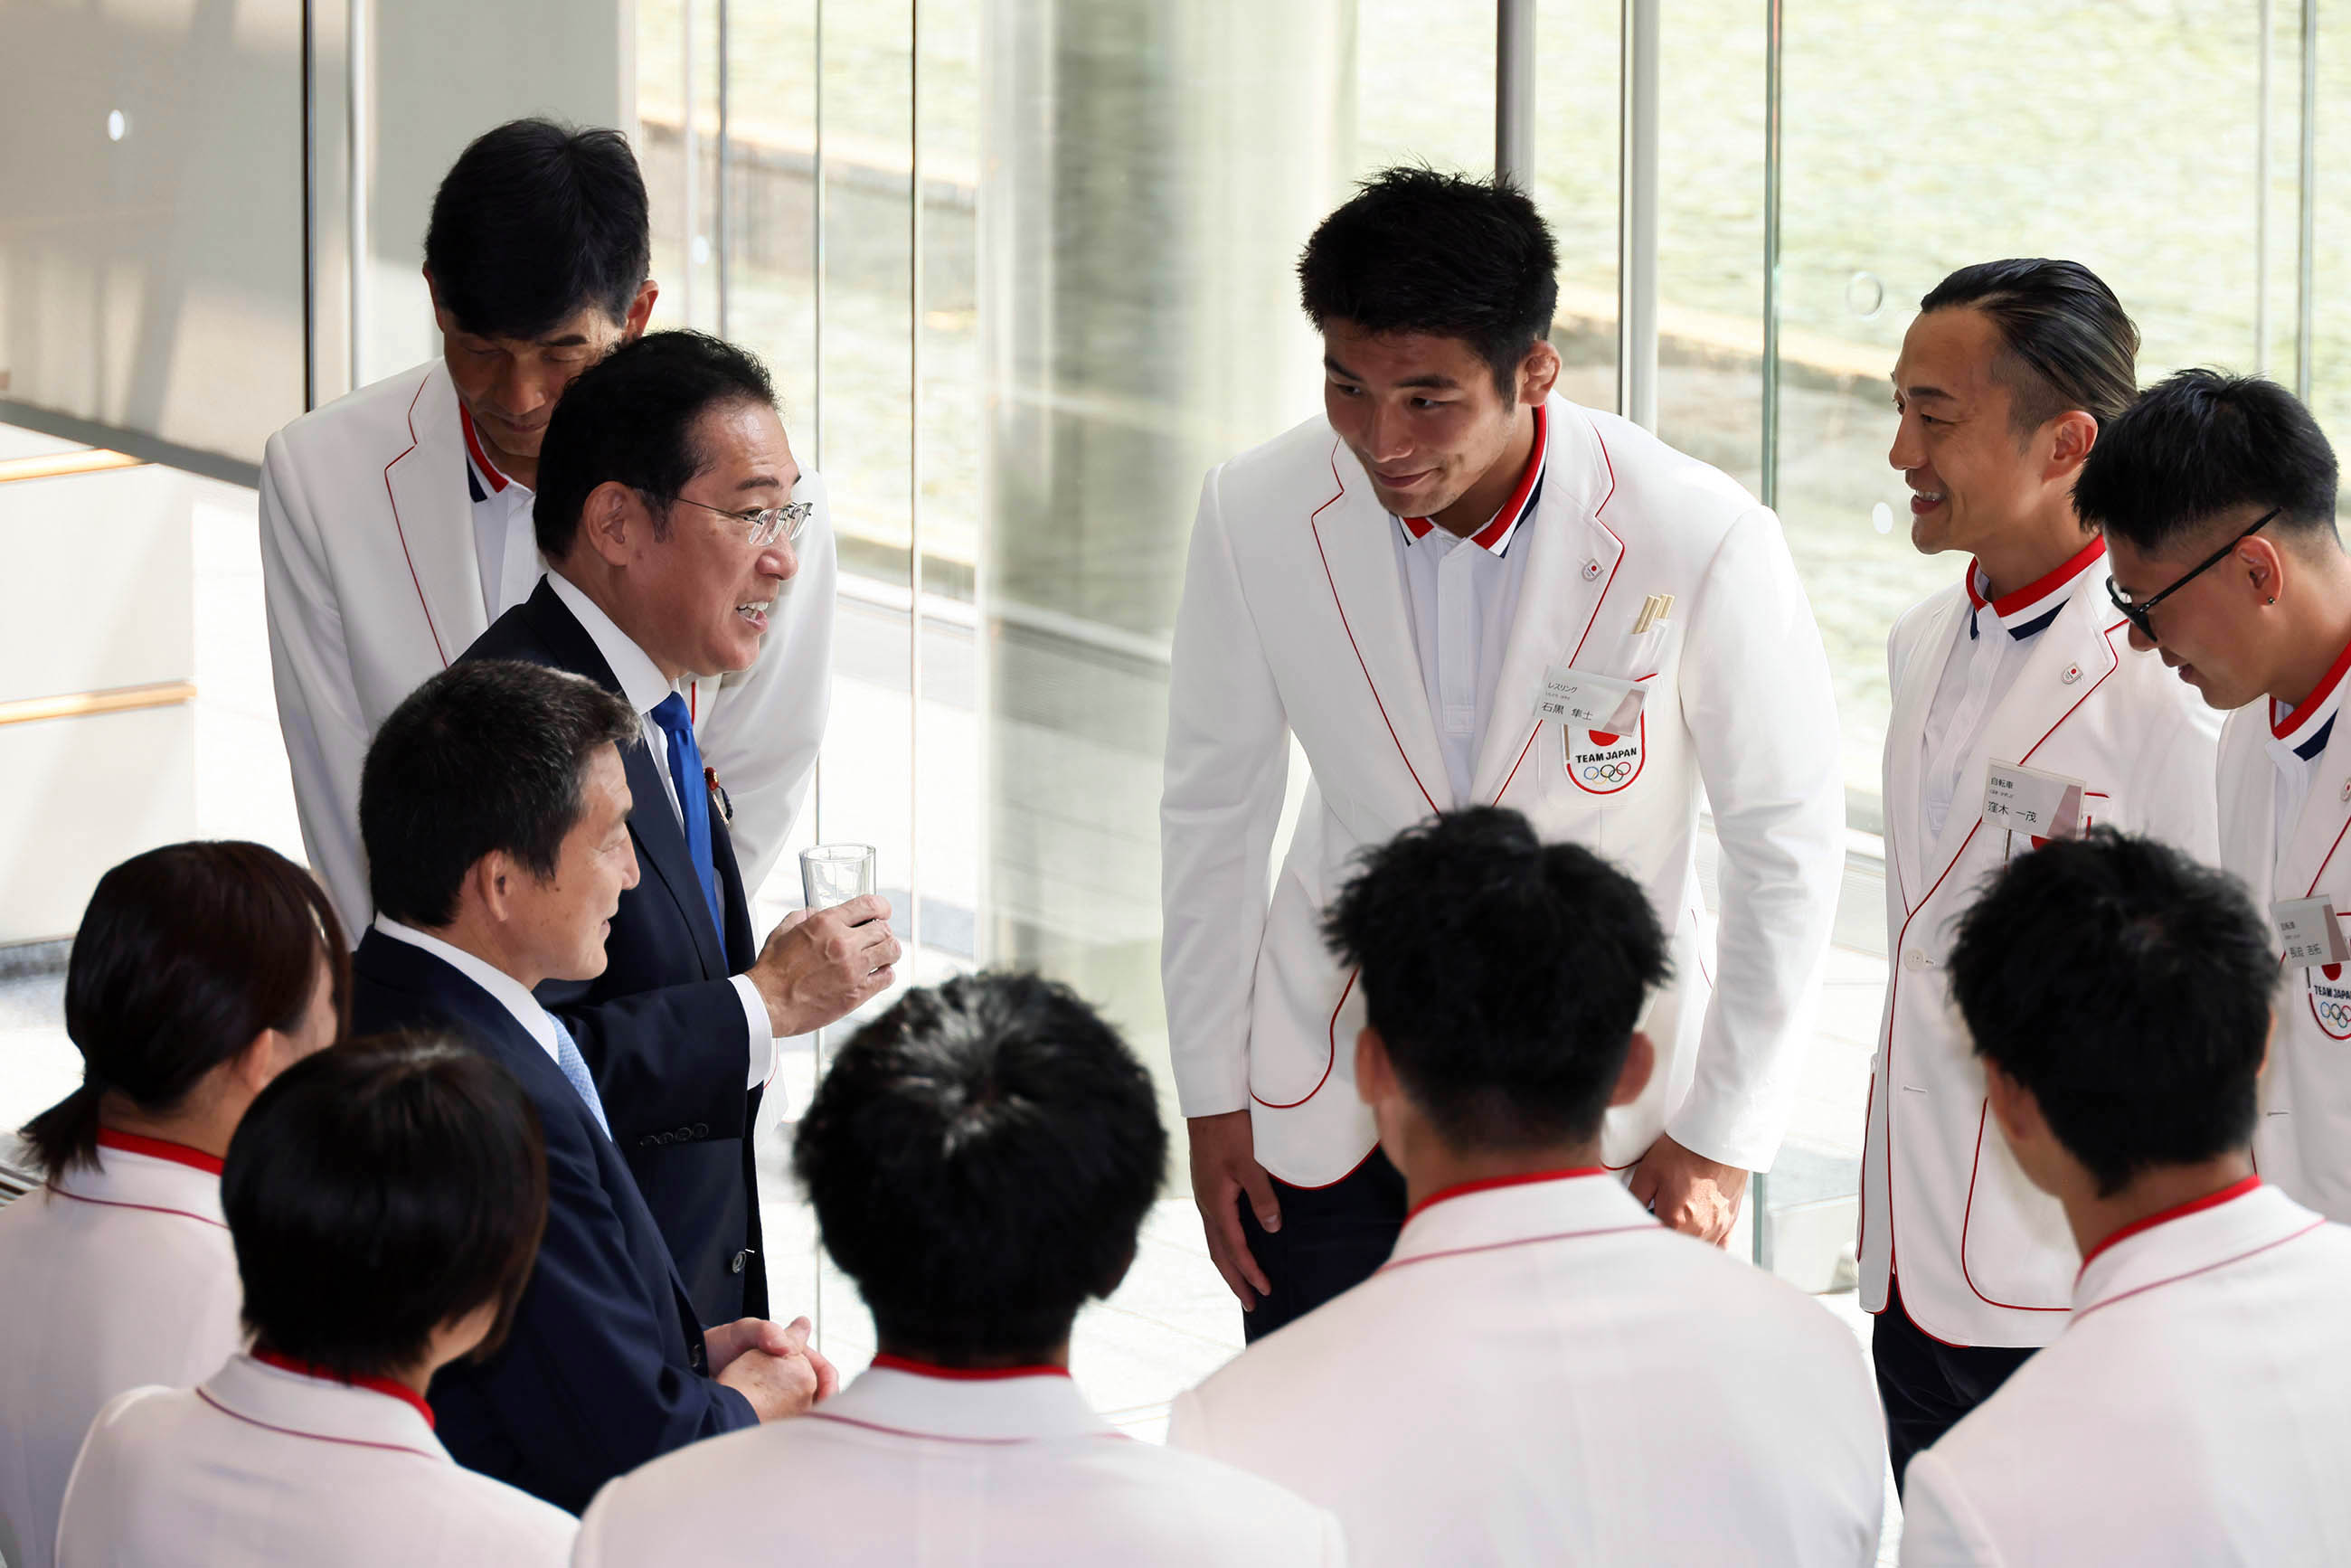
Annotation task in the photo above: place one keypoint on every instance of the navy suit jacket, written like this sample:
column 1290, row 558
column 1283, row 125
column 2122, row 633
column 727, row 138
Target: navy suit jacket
column 663, row 1027
column 605, row 1368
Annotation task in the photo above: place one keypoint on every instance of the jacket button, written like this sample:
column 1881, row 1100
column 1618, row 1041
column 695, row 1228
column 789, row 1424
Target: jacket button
column 1917, row 959
column 702, row 1129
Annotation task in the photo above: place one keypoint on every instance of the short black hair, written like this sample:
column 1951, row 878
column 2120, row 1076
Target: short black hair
column 1418, row 251
column 2126, row 987
column 535, row 223
column 981, row 1158
column 2199, row 443
column 378, row 1189
column 1504, row 974
column 490, row 754
column 2068, row 343
column 631, row 417
column 184, row 954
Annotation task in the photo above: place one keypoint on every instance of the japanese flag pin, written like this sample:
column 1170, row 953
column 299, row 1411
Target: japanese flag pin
column 2347, row 788
column 2072, row 673
column 1591, row 569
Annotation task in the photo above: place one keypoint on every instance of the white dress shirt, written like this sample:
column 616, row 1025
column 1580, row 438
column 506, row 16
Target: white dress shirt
column 912, row 1466
column 646, row 687
column 2191, row 1413
column 1542, row 1373
column 121, row 1276
column 261, row 1466
column 506, row 540
column 1461, row 598
column 1992, row 645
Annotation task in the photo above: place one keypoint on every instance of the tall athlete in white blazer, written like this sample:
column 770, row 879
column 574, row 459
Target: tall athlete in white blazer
column 1542, row 1373
column 2121, row 995
column 2004, row 382
column 981, row 1158
column 2219, row 498
column 1456, row 588
column 199, row 972
column 396, row 522
column 386, row 1197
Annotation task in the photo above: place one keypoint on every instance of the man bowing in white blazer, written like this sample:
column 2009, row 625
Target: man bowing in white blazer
column 396, row 522
column 1456, row 588
column 2219, row 498
column 2018, row 716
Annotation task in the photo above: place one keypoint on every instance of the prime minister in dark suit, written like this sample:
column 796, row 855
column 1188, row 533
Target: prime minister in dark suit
column 665, row 510
column 494, row 808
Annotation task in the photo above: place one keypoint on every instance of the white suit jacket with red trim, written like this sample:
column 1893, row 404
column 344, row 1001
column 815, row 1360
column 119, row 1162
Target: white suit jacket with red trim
column 1984, row 1257
column 2303, row 1142
column 261, row 1468
column 2191, row 1413
column 373, row 584
column 1293, row 623
column 901, row 1468
column 124, row 1276
column 1542, row 1373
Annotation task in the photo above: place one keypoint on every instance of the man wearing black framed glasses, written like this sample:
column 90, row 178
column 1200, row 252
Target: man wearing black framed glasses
column 665, row 513
column 2018, row 716
column 2216, row 495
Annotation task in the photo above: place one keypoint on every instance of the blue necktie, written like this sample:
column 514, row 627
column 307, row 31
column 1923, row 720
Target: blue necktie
column 575, row 1068
column 692, row 798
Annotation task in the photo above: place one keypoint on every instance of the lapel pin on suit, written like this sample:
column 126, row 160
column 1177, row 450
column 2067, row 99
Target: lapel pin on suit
column 719, row 799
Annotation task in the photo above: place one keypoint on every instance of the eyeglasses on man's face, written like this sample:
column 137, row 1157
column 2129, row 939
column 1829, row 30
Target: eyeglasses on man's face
column 764, row 526
column 2140, row 613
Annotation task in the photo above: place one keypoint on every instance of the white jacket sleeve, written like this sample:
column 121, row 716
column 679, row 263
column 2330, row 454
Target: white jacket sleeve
column 318, row 708
column 2174, row 780
column 1228, row 765
column 766, row 725
column 1756, row 694
column 1939, row 1529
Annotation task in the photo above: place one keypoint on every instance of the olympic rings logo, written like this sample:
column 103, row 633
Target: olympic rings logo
column 2335, row 1015
column 1608, row 772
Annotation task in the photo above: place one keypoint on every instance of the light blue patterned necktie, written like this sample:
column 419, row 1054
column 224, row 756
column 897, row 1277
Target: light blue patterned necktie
column 575, row 1068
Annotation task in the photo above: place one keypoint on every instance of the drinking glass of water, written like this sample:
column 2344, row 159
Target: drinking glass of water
column 835, row 873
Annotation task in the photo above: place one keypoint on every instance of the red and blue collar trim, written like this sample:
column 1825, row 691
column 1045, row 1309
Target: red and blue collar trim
column 2028, row 611
column 889, row 1362
column 2235, row 1189
column 1496, row 536
column 2307, row 729
column 1489, row 1184
column 383, row 1385
column 483, row 479
column 159, row 1149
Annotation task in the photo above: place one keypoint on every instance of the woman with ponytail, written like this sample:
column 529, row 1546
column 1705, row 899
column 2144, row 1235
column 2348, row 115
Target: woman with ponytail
column 200, row 973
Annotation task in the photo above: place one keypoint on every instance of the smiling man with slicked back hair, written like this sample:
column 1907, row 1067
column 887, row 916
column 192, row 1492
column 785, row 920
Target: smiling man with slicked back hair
column 2011, row 688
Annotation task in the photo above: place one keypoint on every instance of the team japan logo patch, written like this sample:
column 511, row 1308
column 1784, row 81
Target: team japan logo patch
column 1601, row 763
column 2330, row 1000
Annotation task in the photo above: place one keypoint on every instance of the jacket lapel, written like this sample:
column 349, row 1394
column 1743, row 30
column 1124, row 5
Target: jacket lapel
column 2068, row 662
column 661, row 842
column 1350, row 530
column 2318, row 832
column 1904, row 785
column 432, row 515
column 1572, row 563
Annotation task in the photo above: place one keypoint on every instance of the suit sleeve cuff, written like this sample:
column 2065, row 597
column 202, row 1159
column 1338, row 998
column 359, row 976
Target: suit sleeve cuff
column 762, row 1037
